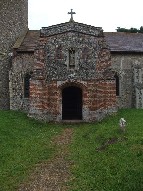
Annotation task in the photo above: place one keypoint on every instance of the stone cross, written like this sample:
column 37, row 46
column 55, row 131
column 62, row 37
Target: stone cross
column 71, row 13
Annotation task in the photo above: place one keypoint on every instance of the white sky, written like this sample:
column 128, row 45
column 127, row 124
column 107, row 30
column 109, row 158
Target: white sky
column 108, row 14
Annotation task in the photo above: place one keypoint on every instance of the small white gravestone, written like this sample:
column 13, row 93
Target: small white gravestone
column 122, row 124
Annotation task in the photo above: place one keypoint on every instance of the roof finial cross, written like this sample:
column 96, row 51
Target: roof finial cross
column 71, row 13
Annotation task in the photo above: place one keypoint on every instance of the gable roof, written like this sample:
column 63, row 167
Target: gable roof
column 124, row 41
column 117, row 41
column 71, row 27
column 29, row 42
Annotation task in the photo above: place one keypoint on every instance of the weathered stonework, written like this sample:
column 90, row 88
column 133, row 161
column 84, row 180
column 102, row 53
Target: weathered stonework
column 13, row 23
column 138, row 84
column 124, row 64
column 57, row 69
column 22, row 65
column 71, row 27
column 91, row 74
column 93, row 66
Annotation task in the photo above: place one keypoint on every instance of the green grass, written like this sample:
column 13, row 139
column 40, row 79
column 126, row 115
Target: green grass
column 99, row 166
column 23, row 143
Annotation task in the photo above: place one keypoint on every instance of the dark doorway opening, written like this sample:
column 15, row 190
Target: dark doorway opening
column 72, row 103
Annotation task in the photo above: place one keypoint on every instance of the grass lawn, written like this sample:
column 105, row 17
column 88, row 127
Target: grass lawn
column 23, row 143
column 105, row 159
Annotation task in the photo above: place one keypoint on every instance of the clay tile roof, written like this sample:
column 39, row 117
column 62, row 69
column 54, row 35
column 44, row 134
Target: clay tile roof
column 124, row 42
column 29, row 41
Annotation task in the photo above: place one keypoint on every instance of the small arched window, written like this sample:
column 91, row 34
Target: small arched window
column 117, row 85
column 27, row 85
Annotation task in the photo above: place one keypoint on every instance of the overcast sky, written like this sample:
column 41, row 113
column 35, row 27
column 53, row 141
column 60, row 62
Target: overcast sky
column 108, row 14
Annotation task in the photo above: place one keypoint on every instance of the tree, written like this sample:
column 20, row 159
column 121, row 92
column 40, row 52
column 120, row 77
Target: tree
column 131, row 30
column 141, row 29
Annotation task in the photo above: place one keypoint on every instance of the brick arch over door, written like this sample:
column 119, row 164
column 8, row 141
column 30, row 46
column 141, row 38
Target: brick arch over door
column 71, row 103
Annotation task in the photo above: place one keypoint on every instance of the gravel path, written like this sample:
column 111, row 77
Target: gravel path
column 53, row 175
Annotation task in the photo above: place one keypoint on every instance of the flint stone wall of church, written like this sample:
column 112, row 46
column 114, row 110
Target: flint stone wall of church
column 22, row 64
column 87, row 49
column 124, row 65
column 13, row 22
column 138, row 83
column 51, row 75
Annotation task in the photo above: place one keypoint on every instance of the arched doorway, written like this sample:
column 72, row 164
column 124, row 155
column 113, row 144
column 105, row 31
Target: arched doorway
column 72, row 103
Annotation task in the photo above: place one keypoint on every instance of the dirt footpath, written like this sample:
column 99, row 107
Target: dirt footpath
column 53, row 175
